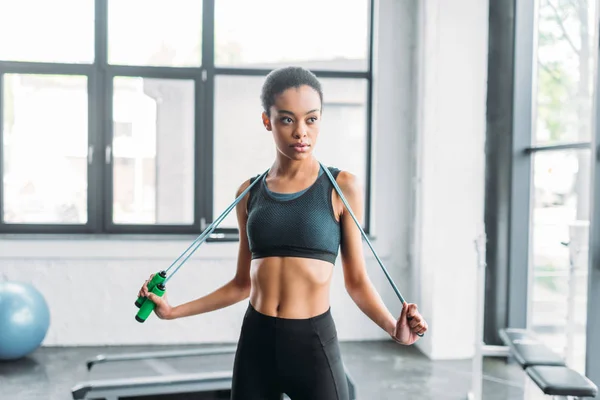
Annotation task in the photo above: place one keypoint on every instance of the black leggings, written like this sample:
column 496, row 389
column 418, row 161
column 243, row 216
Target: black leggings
column 298, row 357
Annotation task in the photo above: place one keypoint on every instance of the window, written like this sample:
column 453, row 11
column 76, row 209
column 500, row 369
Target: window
column 260, row 42
column 121, row 117
column 239, row 132
column 565, row 69
column 155, row 32
column 556, row 161
column 566, row 60
column 153, row 166
column 45, row 140
column 559, row 250
column 47, row 31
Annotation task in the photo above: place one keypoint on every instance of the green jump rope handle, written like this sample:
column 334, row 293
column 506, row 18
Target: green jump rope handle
column 156, row 279
column 149, row 305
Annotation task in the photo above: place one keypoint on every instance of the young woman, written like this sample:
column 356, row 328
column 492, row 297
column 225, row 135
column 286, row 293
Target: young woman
column 291, row 227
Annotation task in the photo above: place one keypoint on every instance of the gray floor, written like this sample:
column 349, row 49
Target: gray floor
column 381, row 370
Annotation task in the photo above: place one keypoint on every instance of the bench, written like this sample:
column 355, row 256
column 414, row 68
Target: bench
column 546, row 368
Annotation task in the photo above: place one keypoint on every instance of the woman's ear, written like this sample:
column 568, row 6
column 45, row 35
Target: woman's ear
column 266, row 121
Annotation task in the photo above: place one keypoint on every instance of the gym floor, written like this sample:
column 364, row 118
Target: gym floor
column 381, row 370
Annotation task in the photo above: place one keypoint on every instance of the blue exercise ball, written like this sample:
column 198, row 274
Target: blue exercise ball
column 24, row 319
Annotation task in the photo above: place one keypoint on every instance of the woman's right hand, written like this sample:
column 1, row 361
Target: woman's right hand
column 163, row 309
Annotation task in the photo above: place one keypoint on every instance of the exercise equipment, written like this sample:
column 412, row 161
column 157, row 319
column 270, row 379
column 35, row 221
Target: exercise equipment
column 156, row 279
column 175, row 373
column 158, row 286
column 172, row 374
column 364, row 235
column 527, row 349
column 24, row 319
column 545, row 368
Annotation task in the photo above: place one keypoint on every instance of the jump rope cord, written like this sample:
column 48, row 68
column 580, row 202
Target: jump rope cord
column 339, row 191
column 202, row 238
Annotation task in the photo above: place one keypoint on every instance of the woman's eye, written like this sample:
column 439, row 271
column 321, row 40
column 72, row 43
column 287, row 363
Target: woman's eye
column 286, row 120
column 312, row 119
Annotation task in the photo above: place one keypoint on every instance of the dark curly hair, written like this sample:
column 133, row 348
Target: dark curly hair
column 281, row 79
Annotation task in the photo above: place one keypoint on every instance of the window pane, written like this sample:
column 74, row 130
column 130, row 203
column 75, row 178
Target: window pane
column 560, row 222
column 47, row 31
column 243, row 148
column 566, row 56
column 45, row 139
column 155, row 32
column 328, row 34
column 153, row 151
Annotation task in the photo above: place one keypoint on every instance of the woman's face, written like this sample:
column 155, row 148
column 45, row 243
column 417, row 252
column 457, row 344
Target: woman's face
column 294, row 121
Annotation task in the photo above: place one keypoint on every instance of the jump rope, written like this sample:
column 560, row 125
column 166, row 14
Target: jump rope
column 157, row 284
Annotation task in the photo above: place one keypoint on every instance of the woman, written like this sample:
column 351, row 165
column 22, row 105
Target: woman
column 292, row 224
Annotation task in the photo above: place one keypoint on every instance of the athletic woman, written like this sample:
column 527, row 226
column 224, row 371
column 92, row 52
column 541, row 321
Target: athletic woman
column 291, row 225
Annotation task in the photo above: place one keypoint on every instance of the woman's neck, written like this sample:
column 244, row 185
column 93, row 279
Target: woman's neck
column 286, row 168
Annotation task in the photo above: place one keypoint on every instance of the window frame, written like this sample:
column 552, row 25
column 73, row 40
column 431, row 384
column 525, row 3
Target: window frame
column 524, row 148
column 514, row 247
column 100, row 76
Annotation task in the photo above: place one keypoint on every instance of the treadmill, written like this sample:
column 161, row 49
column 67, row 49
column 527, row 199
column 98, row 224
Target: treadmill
column 200, row 374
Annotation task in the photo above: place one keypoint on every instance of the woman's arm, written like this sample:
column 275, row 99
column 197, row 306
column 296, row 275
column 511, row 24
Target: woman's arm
column 410, row 324
column 234, row 291
column 357, row 282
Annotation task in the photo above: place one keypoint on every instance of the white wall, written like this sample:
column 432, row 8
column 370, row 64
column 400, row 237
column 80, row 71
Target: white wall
column 91, row 285
column 394, row 112
column 449, row 170
column 90, row 282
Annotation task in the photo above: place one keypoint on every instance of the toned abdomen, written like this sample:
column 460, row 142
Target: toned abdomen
column 289, row 287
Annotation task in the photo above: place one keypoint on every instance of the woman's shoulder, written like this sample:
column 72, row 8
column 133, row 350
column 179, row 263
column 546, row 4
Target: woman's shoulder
column 342, row 176
column 346, row 180
column 245, row 184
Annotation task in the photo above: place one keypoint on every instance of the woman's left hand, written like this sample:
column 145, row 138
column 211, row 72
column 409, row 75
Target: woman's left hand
column 410, row 326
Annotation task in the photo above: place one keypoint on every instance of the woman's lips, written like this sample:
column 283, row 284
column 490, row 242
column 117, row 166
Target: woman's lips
column 301, row 147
